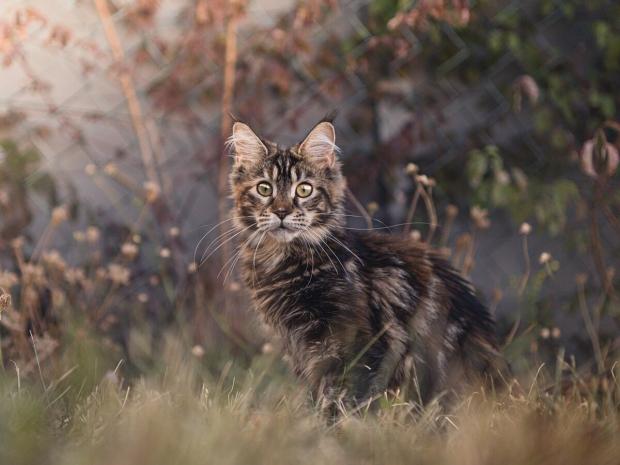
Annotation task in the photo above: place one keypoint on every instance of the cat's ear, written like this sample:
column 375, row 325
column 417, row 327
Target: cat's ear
column 320, row 145
column 246, row 145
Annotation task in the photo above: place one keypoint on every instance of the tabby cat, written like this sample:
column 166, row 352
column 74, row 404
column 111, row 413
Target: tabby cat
column 359, row 312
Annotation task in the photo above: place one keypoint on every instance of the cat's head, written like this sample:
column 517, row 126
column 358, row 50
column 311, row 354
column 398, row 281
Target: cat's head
column 289, row 194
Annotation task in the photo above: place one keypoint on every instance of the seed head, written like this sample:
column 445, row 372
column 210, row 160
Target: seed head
column 54, row 260
column 118, row 274
column 92, row 234
column 480, row 217
column 599, row 157
column 544, row 258
column 90, row 169
column 198, row 351
column 452, row 211
column 59, row 215
column 110, row 169
column 372, row 208
column 5, row 300
column 7, row 280
column 411, row 169
column 151, row 191
column 129, row 250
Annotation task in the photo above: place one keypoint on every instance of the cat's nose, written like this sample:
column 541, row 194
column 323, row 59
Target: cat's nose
column 282, row 212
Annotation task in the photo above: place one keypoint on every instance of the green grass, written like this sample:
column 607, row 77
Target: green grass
column 187, row 410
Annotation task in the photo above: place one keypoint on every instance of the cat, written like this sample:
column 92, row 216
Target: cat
column 359, row 312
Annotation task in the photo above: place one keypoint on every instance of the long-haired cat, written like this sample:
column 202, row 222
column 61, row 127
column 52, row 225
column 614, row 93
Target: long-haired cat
column 359, row 312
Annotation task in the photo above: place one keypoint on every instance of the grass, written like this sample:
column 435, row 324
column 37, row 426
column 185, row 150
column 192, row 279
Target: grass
column 99, row 366
column 194, row 410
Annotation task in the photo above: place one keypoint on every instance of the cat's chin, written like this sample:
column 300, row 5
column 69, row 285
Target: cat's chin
column 284, row 235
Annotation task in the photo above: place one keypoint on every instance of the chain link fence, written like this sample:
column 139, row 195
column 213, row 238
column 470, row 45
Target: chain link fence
column 74, row 77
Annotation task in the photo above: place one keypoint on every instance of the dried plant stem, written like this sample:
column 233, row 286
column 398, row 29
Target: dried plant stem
column 412, row 208
column 590, row 328
column 432, row 214
column 526, row 274
column 468, row 259
column 129, row 90
column 446, row 230
column 230, row 63
column 613, row 220
column 360, row 208
column 595, row 237
column 522, row 285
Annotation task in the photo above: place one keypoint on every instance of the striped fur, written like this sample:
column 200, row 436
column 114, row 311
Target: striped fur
column 359, row 312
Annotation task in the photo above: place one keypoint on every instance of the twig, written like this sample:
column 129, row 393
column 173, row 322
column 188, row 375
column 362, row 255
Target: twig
column 468, row 259
column 449, row 223
column 526, row 274
column 129, row 90
column 36, row 356
column 585, row 313
column 412, row 208
column 430, row 209
column 615, row 222
column 230, row 62
column 595, row 236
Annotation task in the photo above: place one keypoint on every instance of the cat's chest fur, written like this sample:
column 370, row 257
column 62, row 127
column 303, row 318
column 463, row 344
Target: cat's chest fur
column 293, row 288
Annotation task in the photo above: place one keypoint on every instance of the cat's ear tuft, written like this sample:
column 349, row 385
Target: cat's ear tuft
column 246, row 145
column 320, row 145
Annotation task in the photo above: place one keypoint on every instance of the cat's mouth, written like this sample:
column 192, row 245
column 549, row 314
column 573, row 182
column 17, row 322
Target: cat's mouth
column 284, row 233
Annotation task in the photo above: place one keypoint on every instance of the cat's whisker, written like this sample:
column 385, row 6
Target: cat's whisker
column 215, row 241
column 237, row 251
column 389, row 228
column 237, row 256
column 335, row 256
column 320, row 243
column 310, row 248
column 254, row 257
column 213, row 228
column 336, row 214
column 338, row 241
column 204, row 259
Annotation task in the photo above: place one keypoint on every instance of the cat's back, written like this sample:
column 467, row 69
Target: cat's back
column 419, row 279
column 417, row 287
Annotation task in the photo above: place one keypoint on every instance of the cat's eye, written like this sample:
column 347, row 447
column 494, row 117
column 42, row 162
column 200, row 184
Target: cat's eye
column 303, row 189
column 264, row 189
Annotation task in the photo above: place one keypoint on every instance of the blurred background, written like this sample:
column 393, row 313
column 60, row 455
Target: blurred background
column 492, row 126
